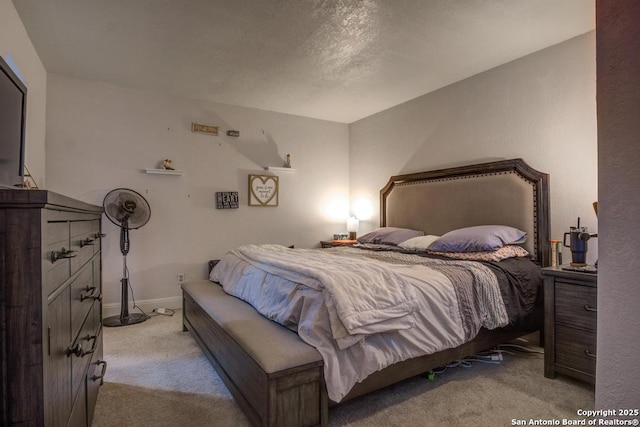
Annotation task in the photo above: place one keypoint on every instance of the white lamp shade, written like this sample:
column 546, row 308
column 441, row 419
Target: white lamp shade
column 353, row 224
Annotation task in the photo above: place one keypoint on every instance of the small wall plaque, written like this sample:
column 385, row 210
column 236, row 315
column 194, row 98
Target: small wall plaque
column 227, row 200
column 206, row 129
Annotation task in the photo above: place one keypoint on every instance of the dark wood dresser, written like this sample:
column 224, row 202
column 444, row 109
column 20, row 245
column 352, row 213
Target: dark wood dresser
column 570, row 305
column 50, row 309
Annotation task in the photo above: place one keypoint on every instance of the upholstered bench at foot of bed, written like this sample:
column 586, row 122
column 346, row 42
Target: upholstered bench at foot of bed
column 276, row 378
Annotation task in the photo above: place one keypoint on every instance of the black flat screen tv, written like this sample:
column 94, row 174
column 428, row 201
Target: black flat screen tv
column 13, row 111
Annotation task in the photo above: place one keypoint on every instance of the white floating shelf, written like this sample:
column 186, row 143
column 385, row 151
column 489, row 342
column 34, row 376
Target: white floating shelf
column 279, row 169
column 164, row 171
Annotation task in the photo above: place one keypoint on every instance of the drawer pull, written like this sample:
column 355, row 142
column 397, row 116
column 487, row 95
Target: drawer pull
column 104, row 370
column 92, row 296
column 62, row 253
column 588, row 353
column 587, row 307
column 87, row 242
column 78, row 351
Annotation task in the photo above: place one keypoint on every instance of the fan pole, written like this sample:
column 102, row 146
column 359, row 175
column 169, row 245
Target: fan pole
column 125, row 318
column 124, row 297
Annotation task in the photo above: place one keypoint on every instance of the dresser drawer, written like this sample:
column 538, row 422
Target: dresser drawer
column 82, row 349
column 83, row 294
column 56, row 264
column 56, row 272
column 56, row 232
column 95, row 234
column 82, row 242
column 81, row 228
column 97, row 282
column 57, row 363
column 576, row 306
column 576, row 349
column 95, row 377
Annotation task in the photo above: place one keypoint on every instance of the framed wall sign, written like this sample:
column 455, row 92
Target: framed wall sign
column 263, row 190
column 227, row 200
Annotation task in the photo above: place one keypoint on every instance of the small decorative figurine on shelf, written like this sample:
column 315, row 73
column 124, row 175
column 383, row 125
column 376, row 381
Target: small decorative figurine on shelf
column 168, row 164
column 287, row 162
column 29, row 183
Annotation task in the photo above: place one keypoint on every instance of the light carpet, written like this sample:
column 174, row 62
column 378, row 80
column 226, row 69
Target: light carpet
column 157, row 376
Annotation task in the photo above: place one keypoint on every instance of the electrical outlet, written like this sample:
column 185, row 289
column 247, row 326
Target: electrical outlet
column 180, row 277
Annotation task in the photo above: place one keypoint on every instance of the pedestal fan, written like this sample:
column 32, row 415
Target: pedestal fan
column 128, row 210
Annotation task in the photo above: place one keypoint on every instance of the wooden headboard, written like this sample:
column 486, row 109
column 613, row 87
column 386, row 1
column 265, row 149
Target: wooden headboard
column 507, row 192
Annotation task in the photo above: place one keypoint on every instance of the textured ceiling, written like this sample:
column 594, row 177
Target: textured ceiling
column 327, row 59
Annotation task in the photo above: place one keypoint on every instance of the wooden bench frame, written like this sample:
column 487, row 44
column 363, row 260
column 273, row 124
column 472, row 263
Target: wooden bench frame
column 294, row 396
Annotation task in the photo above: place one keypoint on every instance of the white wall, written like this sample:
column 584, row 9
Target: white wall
column 15, row 42
column 618, row 376
column 541, row 108
column 100, row 137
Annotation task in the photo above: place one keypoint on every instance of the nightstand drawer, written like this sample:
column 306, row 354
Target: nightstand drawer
column 576, row 306
column 576, row 349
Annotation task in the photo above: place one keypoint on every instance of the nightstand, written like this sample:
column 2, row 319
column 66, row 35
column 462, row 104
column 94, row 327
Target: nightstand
column 334, row 243
column 570, row 319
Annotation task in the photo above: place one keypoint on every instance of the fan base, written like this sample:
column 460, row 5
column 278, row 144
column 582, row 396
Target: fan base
column 118, row 321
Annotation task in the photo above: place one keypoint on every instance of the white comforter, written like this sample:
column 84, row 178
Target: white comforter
column 361, row 316
column 364, row 300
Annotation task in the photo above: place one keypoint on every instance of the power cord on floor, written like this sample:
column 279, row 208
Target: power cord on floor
column 520, row 349
column 156, row 311
column 492, row 357
column 162, row 312
column 133, row 298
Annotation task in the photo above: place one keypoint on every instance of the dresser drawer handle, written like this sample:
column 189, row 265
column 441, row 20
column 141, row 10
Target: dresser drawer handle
column 587, row 307
column 90, row 337
column 104, row 370
column 62, row 253
column 92, row 296
column 588, row 353
column 87, row 242
column 78, row 351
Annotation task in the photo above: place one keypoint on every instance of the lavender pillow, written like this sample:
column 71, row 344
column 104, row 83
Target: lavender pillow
column 479, row 238
column 389, row 235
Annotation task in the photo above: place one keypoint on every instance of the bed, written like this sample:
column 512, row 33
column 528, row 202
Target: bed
column 279, row 379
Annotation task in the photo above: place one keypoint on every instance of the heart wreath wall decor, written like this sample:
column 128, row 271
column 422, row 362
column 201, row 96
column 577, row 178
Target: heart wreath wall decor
column 263, row 190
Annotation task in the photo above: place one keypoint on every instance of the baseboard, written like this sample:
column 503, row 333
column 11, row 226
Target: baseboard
column 147, row 306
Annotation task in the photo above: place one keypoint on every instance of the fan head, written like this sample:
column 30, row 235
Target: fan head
column 126, row 208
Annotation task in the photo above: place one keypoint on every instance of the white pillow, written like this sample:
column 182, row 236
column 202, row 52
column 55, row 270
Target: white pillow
column 420, row 243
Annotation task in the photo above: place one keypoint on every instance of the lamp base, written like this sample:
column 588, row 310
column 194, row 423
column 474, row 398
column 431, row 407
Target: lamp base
column 124, row 321
column 352, row 235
